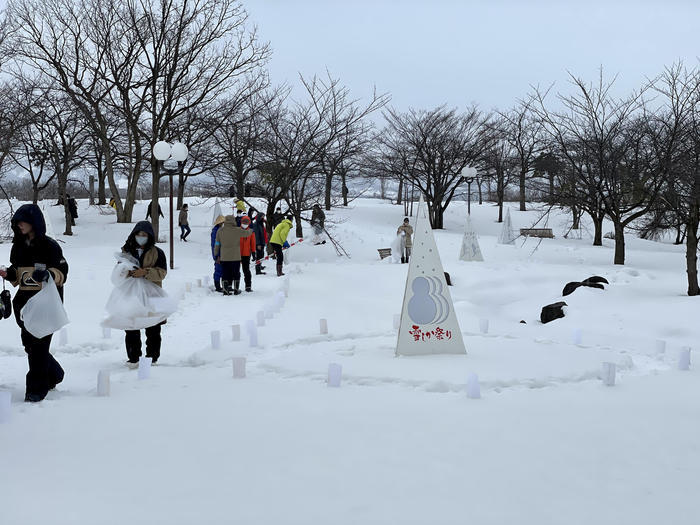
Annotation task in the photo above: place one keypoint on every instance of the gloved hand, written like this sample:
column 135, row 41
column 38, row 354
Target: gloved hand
column 40, row 276
column 139, row 272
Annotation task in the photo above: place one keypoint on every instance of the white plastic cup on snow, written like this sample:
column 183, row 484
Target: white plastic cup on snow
column 199, row 283
column 660, row 346
column 253, row 339
column 323, row 326
column 260, row 317
column 484, row 326
column 473, row 387
column 239, row 364
column 206, row 280
column 269, row 311
column 335, row 374
column 684, row 358
column 609, row 374
column 577, row 336
column 63, row 337
column 144, row 367
column 236, row 332
column 216, row 339
column 103, row 386
column 188, row 287
column 5, row 406
column 106, row 332
column 397, row 321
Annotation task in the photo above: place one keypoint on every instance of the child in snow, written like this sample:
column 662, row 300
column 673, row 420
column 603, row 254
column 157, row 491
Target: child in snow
column 318, row 218
column 247, row 249
column 184, row 223
column 279, row 238
column 217, row 267
column 34, row 257
column 405, row 231
column 141, row 245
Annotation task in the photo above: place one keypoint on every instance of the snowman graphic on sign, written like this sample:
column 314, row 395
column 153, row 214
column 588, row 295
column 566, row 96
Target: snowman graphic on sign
column 428, row 304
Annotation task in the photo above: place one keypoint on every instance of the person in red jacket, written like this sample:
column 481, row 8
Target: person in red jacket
column 247, row 249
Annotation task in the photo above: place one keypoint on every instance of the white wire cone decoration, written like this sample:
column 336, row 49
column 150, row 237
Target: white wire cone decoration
column 428, row 321
column 507, row 234
column 470, row 244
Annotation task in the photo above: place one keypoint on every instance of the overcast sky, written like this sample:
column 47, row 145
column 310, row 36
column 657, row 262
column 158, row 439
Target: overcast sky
column 432, row 52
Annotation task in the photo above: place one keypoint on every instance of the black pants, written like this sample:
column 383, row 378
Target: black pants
column 245, row 264
column 133, row 343
column 279, row 255
column 44, row 371
column 231, row 270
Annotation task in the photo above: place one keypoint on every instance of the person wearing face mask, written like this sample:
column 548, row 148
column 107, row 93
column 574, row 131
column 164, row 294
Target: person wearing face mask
column 227, row 250
column 141, row 244
column 33, row 258
column 247, row 248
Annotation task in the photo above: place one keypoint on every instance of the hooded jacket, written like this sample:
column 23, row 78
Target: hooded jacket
column 182, row 218
column 26, row 253
column 279, row 236
column 228, row 240
column 151, row 258
column 260, row 230
column 247, row 243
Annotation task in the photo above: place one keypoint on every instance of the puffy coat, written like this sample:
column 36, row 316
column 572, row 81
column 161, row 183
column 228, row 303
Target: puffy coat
column 25, row 254
column 279, row 236
column 151, row 258
column 260, row 231
column 228, row 240
column 182, row 218
column 240, row 205
column 408, row 229
column 248, row 244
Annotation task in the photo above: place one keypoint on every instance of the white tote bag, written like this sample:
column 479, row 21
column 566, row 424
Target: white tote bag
column 44, row 313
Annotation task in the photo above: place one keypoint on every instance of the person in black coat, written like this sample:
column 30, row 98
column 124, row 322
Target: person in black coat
column 260, row 230
column 72, row 208
column 148, row 212
column 34, row 257
column 141, row 245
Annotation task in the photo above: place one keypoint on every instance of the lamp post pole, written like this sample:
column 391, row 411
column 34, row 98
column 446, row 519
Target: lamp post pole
column 177, row 152
column 469, row 194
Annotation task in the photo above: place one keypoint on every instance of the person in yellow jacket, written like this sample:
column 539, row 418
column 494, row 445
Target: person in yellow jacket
column 240, row 205
column 279, row 237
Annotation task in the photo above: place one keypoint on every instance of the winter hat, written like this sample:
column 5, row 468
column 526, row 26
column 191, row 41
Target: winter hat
column 245, row 220
column 219, row 220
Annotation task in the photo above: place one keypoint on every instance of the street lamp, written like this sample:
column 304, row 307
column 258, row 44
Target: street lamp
column 178, row 152
column 469, row 174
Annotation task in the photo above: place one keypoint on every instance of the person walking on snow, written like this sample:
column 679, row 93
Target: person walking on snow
column 247, row 249
column 279, row 237
column 33, row 258
column 405, row 231
column 141, row 245
column 184, row 223
column 318, row 219
column 217, row 267
column 227, row 249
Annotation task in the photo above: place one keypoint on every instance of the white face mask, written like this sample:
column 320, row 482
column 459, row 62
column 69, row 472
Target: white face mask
column 141, row 240
column 244, row 226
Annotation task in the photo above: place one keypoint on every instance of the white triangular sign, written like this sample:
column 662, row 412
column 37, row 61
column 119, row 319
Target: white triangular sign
column 470, row 244
column 217, row 213
column 507, row 234
column 428, row 320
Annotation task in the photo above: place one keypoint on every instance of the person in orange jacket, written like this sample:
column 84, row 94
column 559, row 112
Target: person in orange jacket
column 247, row 249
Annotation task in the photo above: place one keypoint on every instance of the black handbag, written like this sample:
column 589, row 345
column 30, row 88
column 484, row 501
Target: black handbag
column 5, row 302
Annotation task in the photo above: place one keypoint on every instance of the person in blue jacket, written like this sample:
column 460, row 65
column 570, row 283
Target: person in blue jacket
column 218, row 272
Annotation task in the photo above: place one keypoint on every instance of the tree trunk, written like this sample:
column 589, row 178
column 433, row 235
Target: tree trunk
column 522, row 190
column 327, row 194
column 577, row 218
column 691, row 252
column 345, row 195
column 180, row 187
column 101, row 191
column 240, row 184
column 481, row 195
column 619, row 244
column 155, row 194
column 597, row 230
column 400, row 194
column 550, row 197
column 35, row 194
column 299, row 229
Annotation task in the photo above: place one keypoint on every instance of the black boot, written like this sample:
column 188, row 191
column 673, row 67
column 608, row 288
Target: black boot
column 217, row 285
column 236, row 288
column 227, row 287
column 280, row 273
column 259, row 270
column 248, row 287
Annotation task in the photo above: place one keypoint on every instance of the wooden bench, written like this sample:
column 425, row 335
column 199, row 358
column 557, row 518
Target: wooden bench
column 384, row 253
column 537, row 232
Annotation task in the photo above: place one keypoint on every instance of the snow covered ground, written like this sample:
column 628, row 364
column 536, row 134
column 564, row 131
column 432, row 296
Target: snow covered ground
column 399, row 442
